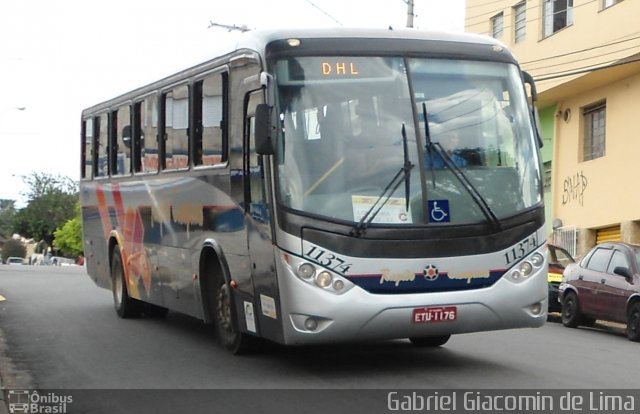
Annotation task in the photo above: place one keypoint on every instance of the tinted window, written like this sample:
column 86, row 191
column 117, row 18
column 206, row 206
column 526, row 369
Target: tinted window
column 87, row 148
column 210, row 129
column 176, row 112
column 618, row 259
column 102, row 142
column 599, row 260
column 146, row 135
column 123, row 140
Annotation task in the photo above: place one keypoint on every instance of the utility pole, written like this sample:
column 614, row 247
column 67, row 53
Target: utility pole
column 409, row 12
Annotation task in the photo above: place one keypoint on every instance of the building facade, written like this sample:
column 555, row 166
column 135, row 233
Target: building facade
column 585, row 58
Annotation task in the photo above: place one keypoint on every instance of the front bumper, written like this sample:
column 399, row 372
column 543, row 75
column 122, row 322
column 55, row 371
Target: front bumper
column 359, row 315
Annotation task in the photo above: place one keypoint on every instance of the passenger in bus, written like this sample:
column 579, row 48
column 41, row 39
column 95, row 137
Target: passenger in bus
column 450, row 143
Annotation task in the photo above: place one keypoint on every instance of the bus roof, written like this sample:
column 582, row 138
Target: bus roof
column 377, row 39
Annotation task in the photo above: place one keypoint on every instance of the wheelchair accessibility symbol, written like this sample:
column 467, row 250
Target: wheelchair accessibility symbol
column 439, row 211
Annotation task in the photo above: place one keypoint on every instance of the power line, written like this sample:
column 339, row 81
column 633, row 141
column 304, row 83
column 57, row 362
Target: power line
column 584, row 59
column 528, row 21
column 493, row 13
column 324, row 12
column 579, row 71
column 582, row 50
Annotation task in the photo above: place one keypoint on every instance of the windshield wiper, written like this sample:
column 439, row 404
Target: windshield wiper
column 403, row 175
column 457, row 172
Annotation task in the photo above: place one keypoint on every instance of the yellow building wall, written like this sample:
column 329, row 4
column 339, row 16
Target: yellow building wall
column 592, row 26
column 602, row 191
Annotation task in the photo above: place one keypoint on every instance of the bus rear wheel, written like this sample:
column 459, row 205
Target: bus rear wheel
column 430, row 341
column 126, row 307
column 234, row 341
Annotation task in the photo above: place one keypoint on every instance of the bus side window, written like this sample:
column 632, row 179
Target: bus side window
column 176, row 123
column 123, row 141
column 145, row 136
column 210, row 119
column 102, row 140
column 87, row 148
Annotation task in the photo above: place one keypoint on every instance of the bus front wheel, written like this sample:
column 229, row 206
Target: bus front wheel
column 126, row 306
column 234, row 341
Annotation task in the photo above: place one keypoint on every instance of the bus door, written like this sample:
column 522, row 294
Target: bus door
column 259, row 233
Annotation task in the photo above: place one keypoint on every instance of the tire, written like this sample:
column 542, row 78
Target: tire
column 571, row 315
column 633, row 323
column 430, row 341
column 225, row 322
column 126, row 307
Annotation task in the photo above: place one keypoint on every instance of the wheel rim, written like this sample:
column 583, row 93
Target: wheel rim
column 569, row 309
column 634, row 322
column 223, row 310
column 118, row 288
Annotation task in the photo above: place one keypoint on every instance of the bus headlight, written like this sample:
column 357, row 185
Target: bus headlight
column 324, row 279
column 316, row 275
column 306, row 271
column 525, row 268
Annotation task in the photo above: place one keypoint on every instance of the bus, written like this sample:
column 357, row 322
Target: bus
column 323, row 186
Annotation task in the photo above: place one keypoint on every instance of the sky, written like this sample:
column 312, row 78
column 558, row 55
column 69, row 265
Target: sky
column 59, row 57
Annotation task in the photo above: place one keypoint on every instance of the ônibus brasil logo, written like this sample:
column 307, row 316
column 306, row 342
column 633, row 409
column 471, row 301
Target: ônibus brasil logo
column 33, row 402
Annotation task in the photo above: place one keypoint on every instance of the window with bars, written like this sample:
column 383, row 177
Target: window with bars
column 558, row 14
column 520, row 21
column 594, row 131
column 497, row 25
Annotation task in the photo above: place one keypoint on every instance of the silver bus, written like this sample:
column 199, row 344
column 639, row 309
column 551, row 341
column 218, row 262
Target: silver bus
column 322, row 186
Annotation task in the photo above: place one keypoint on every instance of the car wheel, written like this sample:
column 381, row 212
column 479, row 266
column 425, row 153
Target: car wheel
column 633, row 323
column 430, row 341
column 571, row 316
column 234, row 341
column 126, row 307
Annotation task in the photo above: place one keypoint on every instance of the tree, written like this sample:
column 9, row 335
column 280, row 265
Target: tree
column 7, row 214
column 51, row 201
column 68, row 238
column 13, row 248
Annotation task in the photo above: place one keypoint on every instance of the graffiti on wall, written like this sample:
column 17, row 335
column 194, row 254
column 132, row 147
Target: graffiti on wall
column 574, row 187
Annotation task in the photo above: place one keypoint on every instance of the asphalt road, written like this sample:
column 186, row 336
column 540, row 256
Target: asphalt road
column 59, row 331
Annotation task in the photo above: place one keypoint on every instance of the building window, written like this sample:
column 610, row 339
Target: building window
column 520, row 21
column 547, row 177
column 497, row 25
column 609, row 3
column 558, row 14
column 594, row 131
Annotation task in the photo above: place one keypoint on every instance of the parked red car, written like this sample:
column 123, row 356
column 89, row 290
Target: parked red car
column 605, row 285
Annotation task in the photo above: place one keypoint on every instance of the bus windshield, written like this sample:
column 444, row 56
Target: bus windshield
column 341, row 139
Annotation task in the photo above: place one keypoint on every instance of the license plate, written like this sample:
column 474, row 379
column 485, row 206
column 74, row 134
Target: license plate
column 435, row 314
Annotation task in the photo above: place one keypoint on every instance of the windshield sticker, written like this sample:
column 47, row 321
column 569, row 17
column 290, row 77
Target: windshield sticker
column 393, row 211
column 439, row 211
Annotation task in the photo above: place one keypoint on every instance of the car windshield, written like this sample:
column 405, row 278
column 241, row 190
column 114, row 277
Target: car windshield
column 341, row 142
column 559, row 256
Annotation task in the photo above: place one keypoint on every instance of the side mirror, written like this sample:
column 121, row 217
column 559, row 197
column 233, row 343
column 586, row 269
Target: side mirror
column 528, row 79
column 622, row 271
column 264, row 130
